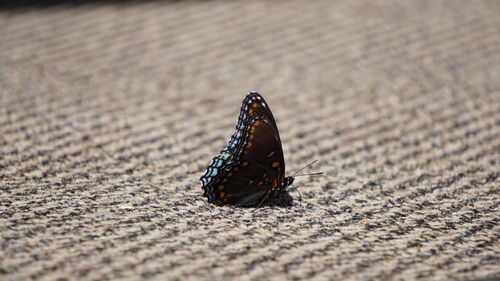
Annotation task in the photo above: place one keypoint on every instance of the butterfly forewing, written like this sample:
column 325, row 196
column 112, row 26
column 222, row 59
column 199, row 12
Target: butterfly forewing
column 253, row 105
column 264, row 154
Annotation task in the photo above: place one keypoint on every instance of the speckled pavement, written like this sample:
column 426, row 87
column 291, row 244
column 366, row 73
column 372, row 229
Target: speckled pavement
column 110, row 112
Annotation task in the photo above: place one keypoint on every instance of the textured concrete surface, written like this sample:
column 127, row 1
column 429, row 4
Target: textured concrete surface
column 109, row 114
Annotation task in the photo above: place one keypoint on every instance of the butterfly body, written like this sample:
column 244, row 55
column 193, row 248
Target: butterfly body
column 251, row 169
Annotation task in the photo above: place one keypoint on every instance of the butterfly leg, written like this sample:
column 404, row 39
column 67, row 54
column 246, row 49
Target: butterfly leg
column 264, row 198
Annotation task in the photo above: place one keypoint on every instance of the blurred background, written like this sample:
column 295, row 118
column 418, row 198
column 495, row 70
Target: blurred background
column 110, row 111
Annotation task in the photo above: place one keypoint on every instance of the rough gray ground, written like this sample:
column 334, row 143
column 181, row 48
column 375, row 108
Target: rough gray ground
column 110, row 112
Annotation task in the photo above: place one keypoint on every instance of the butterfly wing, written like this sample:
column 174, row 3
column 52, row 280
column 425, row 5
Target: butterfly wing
column 252, row 163
column 253, row 105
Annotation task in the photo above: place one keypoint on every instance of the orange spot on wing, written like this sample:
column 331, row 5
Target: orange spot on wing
column 270, row 154
column 244, row 164
column 250, row 182
column 235, row 169
column 224, row 180
column 260, row 183
column 222, row 194
column 250, row 111
column 275, row 164
column 254, row 104
column 229, row 174
column 225, row 199
column 221, row 187
column 275, row 182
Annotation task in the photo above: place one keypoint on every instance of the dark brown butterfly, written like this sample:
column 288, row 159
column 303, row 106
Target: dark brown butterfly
column 251, row 168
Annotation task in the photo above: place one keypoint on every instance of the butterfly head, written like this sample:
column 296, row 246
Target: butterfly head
column 288, row 181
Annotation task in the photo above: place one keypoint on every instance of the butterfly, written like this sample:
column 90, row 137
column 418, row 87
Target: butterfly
column 251, row 169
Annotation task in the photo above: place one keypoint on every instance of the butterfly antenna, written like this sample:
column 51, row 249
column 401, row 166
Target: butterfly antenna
column 312, row 174
column 304, row 167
